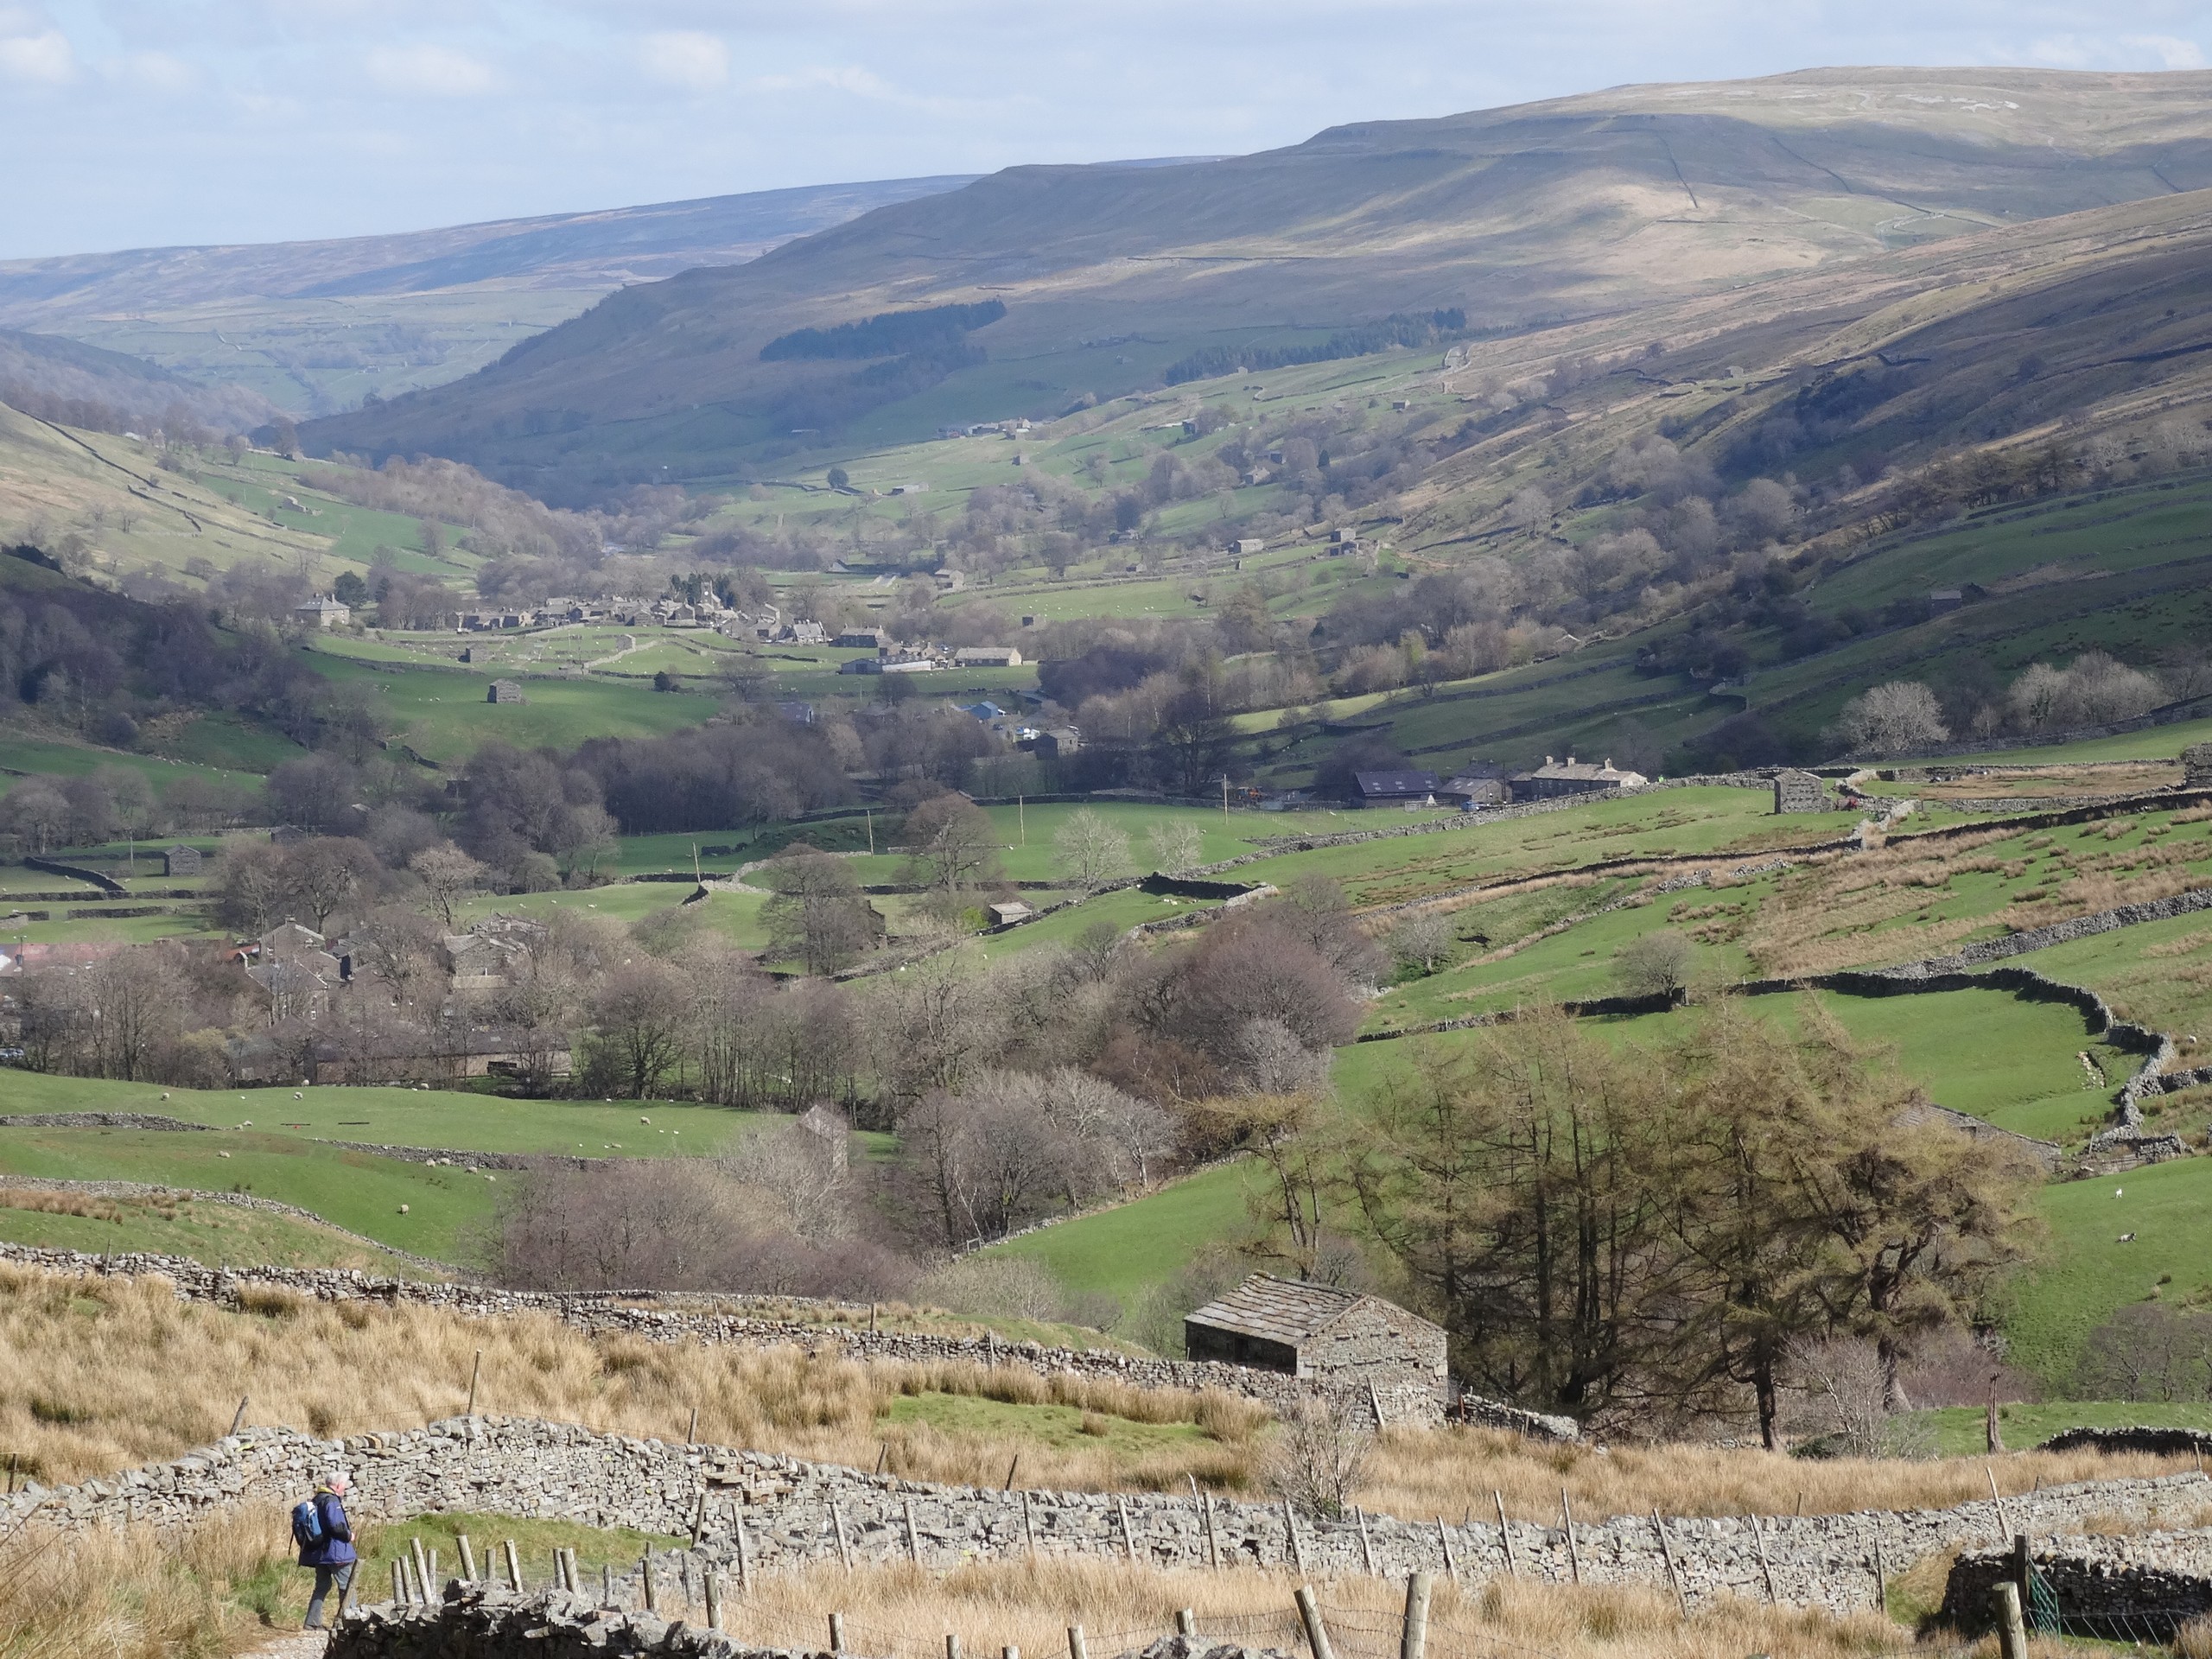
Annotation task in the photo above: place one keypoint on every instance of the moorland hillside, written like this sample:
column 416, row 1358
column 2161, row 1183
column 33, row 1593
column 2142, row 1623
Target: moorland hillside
column 313, row 325
column 1496, row 222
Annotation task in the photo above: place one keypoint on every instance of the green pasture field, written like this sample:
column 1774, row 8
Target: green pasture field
column 50, row 758
column 736, row 915
column 1059, row 1427
column 2132, row 527
column 2159, row 973
column 1984, row 1052
column 1071, row 921
column 184, row 923
column 1960, row 1431
column 353, row 1189
column 441, row 1118
column 1126, row 1250
column 1661, row 824
column 443, row 714
column 1576, row 965
column 198, row 1230
column 2086, row 1273
column 354, row 532
column 1027, row 853
column 2155, row 743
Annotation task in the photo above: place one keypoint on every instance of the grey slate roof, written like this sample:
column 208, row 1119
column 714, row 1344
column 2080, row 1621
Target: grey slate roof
column 1276, row 1310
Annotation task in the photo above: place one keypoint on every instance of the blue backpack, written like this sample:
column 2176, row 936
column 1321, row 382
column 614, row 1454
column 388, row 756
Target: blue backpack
column 307, row 1524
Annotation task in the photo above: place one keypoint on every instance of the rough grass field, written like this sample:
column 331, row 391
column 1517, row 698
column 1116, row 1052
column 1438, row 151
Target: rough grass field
column 78, row 1399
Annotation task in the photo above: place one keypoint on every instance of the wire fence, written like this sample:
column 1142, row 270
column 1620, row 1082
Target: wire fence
column 679, row 1587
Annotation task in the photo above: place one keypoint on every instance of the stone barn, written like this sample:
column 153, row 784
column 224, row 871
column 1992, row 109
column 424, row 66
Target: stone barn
column 1799, row 792
column 180, row 861
column 1318, row 1334
column 2196, row 765
column 505, row 692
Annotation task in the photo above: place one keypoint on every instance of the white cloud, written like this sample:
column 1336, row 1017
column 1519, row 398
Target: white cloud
column 686, row 58
column 31, row 52
column 2171, row 51
column 429, row 71
column 154, row 71
column 831, row 78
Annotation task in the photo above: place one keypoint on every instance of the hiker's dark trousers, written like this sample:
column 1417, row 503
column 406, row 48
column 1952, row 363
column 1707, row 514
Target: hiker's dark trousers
column 327, row 1577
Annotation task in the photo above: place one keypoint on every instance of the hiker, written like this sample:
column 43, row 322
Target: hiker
column 326, row 1541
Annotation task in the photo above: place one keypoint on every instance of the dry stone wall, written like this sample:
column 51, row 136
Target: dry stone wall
column 767, row 1324
column 2143, row 1583
column 479, row 1621
column 753, row 1513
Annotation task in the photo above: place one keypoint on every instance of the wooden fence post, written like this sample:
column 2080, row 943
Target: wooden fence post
column 914, row 1541
column 1443, row 1537
column 1667, row 1555
column 238, row 1420
column 1504, row 1534
column 1317, row 1634
column 1413, row 1638
column 1366, row 1544
column 514, row 1568
column 1213, row 1543
column 1573, row 1555
column 837, row 1526
column 1766, row 1567
column 475, row 1371
column 744, row 1549
column 1076, row 1648
column 2011, row 1628
column 692, row 1435
column 652, row 1591
column 1028, row 1525
column 951, row 1646
column 1186, row 1621
column 399, row 1582
column 714, row 1599
column 1129, row 1538
column 422, row 1564
column 468, row 1557
column 836, row 1632
column 2003, row 1529
column 1297, row 1545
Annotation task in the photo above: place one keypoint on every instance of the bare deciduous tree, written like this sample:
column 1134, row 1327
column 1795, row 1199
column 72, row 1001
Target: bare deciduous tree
column 449, row 877
column 1422, row 940
column 815, row 916
column 1653, row 964
column 1177, row 844
column 1893, row 718
column 1321, row 1451
column 1089, row 850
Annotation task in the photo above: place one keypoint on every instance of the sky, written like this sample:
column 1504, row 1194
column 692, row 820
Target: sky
column 156, row 122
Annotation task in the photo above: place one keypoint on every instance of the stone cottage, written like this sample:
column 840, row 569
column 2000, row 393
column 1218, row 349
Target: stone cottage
column 1318, row 1333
